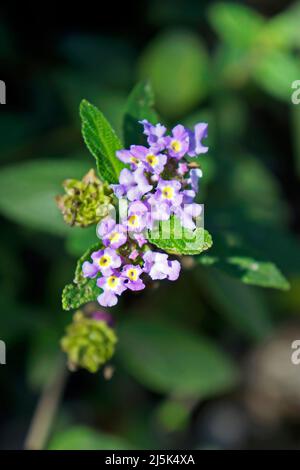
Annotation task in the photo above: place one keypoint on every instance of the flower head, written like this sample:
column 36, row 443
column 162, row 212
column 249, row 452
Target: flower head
column 112, row 286
column 178, row 143
column 106, row 261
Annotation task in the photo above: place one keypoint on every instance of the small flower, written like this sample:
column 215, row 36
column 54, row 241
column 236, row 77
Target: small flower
column 195, row 145
column 112, row 286
column 169, row 192
column 132, row 273
column 112, row 234
column 178, row 144
column 195, row 175
column 133, row 185
column 106, row 261
column 155, row 134
column 187, row 214
column 158, row 266
column 137, row 219
column 129, row 156
column 182, row 169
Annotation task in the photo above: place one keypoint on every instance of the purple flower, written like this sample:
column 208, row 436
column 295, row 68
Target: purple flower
column 106, row 261
column 129, row 156
column 155, row 134
column 112, row 234
column 158, row 266
column 153, row 161
column 195, row 175
column 159, row 210
column 137, row 216
column 182, row 169
column 134, row 255
column 133, row 185
column 89, row 269
column 132, row 273
column 178, row 143
column 112, row 286
column 169, row 192
column 140, row 239
column 103, row 316
column 195, row 145
column 187, row 214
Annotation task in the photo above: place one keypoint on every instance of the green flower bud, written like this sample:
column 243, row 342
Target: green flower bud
column 86, row 201
column 89, row 342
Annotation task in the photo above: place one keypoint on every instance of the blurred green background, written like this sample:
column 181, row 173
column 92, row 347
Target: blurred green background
column 203, row 362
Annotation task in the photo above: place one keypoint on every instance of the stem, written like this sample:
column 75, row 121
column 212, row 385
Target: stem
column 46, row 409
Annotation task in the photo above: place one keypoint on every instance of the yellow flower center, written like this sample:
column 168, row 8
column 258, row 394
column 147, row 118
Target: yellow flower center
column 152, row 159
column 133, row 221
column 104, row 261
column 176, row 145
column 134, row 160
column 113, row 281
column 168, row 192
column 114, row 237
column 132, row 274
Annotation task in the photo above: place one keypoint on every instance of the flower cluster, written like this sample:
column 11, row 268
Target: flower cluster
column 159, row 183
column 86, row 201
column 89, row 341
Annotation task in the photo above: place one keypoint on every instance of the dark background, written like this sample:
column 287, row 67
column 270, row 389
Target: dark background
column 50, row 58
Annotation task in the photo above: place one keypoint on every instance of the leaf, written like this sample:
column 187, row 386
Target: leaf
column 82, row 290
column 243, row 307
column 236, row 24
column 140, row 105
column 27, row 192
column 169, row 359
column 282, row 30
column 177, row 65
column 275, row 72
column 84, row 438
column 101, row 141
column 176, row 240
column 238, row 261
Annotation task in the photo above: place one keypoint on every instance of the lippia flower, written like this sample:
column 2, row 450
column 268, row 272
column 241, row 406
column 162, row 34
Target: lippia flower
column 112, row 286
column 169, row 192
column 132, row 274
column 112, row 234
column 155, row 135
column 178, row 144
column 137, row 216
column 104, row 261
column 158, row 266
column 133, row 185
column 195, row 145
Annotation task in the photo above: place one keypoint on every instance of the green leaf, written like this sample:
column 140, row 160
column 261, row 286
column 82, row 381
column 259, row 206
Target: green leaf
column 28, row 190
column 238, row 261
column 236, row 24
column 101, row 141
column 169, row 359
column 275, row 71
column 171, row 237
column 177, row 65
column 282, row 30
column 140, row 105
column 82, row 290
column 243, row 307
column 84, row 438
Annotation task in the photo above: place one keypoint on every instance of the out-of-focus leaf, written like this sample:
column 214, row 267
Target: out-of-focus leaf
column 177, row 65
column 102, row 142
column 27, row 192
column 275, row 71
column 296, row 134
column 171, row 237
column 243, row 307
column 283, row 30
column 140, row 105
column 242, row 263
column 172, row 415
column 236, row 24
column 84, row 438
column 83, row 289
column 169, row 359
